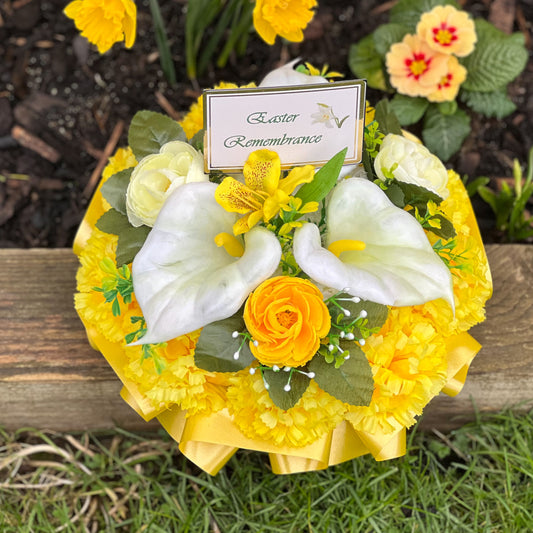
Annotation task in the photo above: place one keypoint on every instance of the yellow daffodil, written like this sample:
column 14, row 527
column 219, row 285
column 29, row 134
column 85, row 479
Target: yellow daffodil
column 191, row 270
column 263, row 194
column 286, row 18
column 415, row 69
column 104, row 22
column 448, row 30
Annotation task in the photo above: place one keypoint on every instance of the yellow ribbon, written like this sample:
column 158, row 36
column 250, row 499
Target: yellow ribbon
column 209, row 441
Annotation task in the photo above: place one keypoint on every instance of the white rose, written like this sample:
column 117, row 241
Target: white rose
column 415, row 164
column 157, row 176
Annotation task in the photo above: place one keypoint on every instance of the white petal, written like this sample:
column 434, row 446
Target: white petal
column 182, row 280
column 398, row 266
column 286, row 75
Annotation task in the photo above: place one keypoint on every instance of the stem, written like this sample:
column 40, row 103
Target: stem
column 165, row 56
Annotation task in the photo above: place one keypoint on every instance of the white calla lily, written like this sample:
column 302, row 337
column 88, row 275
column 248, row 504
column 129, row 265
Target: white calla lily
column 379, row 252
column 286, row 75
column 182, row 279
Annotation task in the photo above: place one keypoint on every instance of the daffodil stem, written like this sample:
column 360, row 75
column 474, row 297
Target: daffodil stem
column 165, row 56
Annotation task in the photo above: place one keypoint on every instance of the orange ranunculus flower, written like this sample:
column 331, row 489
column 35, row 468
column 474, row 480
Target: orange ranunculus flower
column 414, row 68
column 447, row 30
column 448, row 86
column 286, row 317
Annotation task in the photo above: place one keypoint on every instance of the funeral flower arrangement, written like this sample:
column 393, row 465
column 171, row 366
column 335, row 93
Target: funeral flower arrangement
column 434, row 55
column 309, row 313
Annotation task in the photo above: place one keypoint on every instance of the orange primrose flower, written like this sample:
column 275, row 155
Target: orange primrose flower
column 447, row 30
column 286, row 18
column 287, row 318
column 414, row 68
column 263, row 194
column 448, row 86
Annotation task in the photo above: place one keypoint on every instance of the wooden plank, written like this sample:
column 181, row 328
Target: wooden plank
column 49, row 375
column 50, row 378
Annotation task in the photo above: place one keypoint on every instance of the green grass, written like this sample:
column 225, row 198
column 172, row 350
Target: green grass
column 477, row 478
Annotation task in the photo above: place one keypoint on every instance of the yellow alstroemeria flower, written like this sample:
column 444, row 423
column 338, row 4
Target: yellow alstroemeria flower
column 104, row 22
column 263, row 194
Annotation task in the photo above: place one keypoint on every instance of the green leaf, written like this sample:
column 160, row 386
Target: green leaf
column 114, row 189
column 501, row 204
column 416, row 195
column 367, row 164
column 494, row 104
column 386, row 35
column 444, row 134
column 447, row 108
column 496, row 60
column 394, row 193
column 216, row 346
column 376, row 313
column 408, row 109
column 387, row 119
column 324, row 180
column 408, row 12
column 197, row 141
column 352, row 383
column 472, row 187
column 149, row 131
column 277, row 381
column 365, row 62
column 446, row 230
column 130, row 239
column 165, row 55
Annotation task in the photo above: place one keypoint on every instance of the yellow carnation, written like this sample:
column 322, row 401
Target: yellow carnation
column 257, row 417
column 472, row 282
column 409, row 364
column 104, row 22
column 286, row 18
column 90, row 304
column 447, row 30
column 180, row 382
column 121, row 160
column 193, row 121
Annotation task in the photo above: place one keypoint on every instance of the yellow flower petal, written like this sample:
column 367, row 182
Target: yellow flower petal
column 104, row 23
column 273, row 204
column 448, row 30
column 236, row 197
column 297, row 176
column 286, row 18
column 262, row 171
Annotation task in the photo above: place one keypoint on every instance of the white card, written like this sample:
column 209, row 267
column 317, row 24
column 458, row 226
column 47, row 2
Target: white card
column 304, row 124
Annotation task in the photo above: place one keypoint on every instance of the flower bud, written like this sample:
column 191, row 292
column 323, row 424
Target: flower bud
column 157, row 176
column 411, row 162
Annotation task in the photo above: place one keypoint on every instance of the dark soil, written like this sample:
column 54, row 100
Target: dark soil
column 60, row 101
